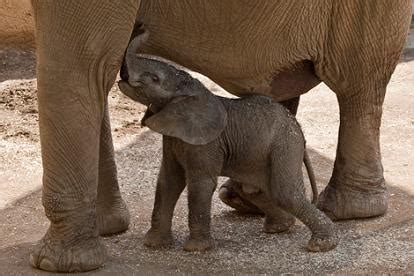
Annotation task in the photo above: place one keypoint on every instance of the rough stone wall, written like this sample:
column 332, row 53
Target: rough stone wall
column 16, row 24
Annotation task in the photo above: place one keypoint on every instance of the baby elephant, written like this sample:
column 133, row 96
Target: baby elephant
column 251, row 140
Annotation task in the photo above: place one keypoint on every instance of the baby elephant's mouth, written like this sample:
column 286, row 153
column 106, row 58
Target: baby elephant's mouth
column 154, row 108
column 148, row 113
column 133, row 92
column 136, row 84
column 139, row 94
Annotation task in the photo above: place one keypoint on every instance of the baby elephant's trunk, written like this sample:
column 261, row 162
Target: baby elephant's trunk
column 311, row 175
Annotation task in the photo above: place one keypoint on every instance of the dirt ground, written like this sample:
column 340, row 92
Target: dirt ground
column 381, row 245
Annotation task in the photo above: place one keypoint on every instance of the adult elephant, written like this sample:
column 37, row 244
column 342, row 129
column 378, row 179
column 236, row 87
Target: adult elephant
column 273, row 47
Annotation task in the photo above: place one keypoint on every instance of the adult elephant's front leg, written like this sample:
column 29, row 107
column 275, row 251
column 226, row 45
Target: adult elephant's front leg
column 80, row 45
column 112, row 211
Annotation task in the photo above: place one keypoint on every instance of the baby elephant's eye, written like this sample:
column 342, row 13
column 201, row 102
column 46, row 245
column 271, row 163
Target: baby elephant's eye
column 155, row 78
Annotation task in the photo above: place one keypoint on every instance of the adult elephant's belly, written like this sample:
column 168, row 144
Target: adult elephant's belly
column 284, row 84
column 242, row 73
column 220, row 42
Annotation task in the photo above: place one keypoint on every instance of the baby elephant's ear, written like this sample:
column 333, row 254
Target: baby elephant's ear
column 197, row 119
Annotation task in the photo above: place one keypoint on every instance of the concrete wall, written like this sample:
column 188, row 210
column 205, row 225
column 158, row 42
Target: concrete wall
column 16, row 24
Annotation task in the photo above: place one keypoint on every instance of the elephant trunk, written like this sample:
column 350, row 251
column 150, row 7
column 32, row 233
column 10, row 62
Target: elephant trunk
column 131, row 52
column 138, row 36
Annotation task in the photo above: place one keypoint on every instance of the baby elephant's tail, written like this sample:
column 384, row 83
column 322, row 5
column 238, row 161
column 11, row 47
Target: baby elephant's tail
column 311, row 175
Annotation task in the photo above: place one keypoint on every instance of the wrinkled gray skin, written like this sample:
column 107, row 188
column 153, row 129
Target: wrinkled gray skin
column 205, row 136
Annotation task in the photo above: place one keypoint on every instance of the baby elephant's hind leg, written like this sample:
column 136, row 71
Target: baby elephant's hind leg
column 276, row 219
column 289, row 191
column 324, row 237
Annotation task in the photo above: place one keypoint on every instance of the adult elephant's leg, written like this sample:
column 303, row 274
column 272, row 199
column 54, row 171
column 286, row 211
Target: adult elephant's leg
column 358, row 71
column 357, row 187
column 292, row 105
column 112, row 212
column 276, row 219
column 232, row 195
column 80, row 45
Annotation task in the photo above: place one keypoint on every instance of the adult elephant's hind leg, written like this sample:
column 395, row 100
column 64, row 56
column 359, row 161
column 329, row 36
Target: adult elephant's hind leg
column 112, row 211
column 357, row 187
column 80, row 45
column 232, row 195
column 358, row 71
column 276, row 219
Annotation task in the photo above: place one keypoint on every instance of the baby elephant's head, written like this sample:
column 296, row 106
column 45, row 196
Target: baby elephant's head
column 178, row 105
column 149, row 81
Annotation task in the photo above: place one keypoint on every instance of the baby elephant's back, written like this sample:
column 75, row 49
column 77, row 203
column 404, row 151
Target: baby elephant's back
column 263, row 119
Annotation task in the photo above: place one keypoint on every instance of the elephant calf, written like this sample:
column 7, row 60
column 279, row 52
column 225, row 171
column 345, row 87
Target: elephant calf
column 251, row 140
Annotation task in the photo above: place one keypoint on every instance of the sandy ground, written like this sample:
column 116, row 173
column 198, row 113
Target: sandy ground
column 383, row 244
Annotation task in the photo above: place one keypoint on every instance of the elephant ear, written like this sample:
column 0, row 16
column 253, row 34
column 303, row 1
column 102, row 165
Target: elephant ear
column 195, row 119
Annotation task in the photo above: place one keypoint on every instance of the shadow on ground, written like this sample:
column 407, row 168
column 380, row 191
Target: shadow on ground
column 17, row 64
column 382, row 244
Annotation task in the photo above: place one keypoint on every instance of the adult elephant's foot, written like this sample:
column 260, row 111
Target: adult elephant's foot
column 57, row 256
column 343, row 202
column 228, row 194
column 113, row 218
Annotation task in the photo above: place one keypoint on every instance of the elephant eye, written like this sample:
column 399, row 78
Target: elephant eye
column 155, row 78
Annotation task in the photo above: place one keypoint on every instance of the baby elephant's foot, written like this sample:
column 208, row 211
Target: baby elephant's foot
column 272, row 225
column 199, row 244
column 157, row 239
column 321, row 243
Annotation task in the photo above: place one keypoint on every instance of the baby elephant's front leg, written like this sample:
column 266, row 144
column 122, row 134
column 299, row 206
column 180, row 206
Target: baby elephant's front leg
column 171, row 182
column 200, row 192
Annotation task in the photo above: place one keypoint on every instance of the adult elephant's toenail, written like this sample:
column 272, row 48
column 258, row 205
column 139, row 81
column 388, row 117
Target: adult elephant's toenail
column 46, row 264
